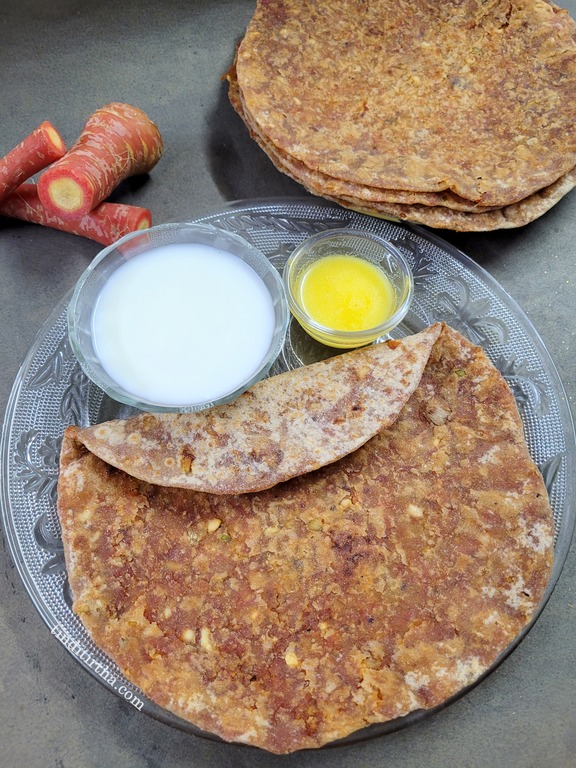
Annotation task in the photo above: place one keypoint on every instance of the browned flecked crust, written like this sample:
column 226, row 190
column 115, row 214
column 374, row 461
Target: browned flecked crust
column 258, row 440
column 320, row 183
column 441, row 210
column 508, row 217
column 473, row 97
column 380, row 584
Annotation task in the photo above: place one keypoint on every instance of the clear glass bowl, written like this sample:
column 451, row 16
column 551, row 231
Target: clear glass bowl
column 87, row 290
column 362, row 245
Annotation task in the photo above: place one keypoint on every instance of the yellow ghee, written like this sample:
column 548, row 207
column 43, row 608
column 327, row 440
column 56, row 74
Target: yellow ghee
column 346, row 293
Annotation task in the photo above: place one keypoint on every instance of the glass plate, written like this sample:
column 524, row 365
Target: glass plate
column 50, row 392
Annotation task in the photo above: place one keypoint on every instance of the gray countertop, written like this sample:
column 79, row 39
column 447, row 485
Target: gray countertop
column 61, row 60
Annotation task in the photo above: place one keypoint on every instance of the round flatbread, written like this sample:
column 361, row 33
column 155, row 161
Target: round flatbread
column 441, row 210
column 474, row 98
column 320, row 183
column 380, row 584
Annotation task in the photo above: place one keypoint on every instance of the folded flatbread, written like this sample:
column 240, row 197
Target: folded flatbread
column 283, row 426
column 379, row 584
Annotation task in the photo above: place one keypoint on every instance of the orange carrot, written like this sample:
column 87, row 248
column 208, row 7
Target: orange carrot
column 106, row 223
column 42, row 147
column 117, row 141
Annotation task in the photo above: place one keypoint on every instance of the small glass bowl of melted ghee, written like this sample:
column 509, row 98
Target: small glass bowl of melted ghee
column 347, row 287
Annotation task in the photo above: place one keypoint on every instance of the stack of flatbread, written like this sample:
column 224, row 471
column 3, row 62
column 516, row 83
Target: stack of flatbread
column 344, row 544
column 458, row 114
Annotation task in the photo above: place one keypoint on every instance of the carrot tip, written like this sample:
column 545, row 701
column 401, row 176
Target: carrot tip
column 53, row 137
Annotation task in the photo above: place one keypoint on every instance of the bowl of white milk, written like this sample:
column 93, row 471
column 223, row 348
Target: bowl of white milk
column 178, row 317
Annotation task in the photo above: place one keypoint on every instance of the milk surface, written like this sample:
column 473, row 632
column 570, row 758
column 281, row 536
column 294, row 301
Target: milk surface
column 182, row 324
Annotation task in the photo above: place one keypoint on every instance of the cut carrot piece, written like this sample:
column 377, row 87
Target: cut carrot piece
column 38, row 150
column 107, row 223
column 117, row 141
